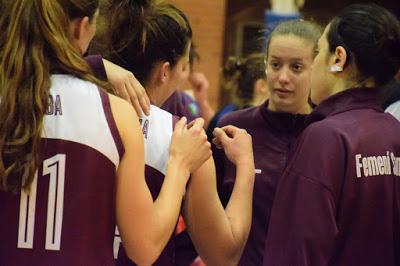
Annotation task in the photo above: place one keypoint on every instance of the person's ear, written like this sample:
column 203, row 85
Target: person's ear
column 338, row 60
column 164, row 72
column 79, row 29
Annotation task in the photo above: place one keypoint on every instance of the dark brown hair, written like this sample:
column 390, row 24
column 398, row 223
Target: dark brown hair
column 142, row 33
column 241, row 75
column 371, row 36
column 304, row 29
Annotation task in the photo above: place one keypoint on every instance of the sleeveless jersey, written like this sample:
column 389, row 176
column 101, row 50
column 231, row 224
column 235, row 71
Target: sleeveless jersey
column 68, row 216
column 157, row 130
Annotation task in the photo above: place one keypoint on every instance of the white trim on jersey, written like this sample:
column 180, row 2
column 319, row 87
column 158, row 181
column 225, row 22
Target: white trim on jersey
column 82, row 120
column 157, row 129
column 394, row 109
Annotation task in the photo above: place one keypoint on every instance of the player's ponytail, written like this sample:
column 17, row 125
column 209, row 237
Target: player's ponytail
column 143, row 33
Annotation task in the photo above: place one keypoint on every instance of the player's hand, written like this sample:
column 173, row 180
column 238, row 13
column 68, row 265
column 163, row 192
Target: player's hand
column 189, row 144
column 236, row 142
column 127, row 87
column 200, row 86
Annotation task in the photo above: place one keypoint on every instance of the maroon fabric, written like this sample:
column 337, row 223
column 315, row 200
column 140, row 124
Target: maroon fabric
column 175, row 245
column 88, row 212
column 88, row 206
column 176, row 105
column 96, row 64
column 329, row 209
column 273, row 134
column 181, row 104
column 154, row 180
column 111, row 122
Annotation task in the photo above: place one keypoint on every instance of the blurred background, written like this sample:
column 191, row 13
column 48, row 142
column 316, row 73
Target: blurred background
column 225, row 28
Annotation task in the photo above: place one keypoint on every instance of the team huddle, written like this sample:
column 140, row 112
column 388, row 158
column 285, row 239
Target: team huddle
column 304, row 171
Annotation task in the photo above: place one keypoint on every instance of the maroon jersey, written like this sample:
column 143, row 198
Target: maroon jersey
column 97, row 66
column 272, row 133
column 338, row 202
column 157, row 131
column 68, row 215
column 182, row 105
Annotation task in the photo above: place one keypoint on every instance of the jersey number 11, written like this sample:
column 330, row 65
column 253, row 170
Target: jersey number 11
column 55, row 167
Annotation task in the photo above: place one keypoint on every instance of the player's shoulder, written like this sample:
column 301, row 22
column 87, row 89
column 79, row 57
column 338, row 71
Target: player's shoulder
column 125, row 117
column 120, row 107
column 74, row 84
column 157, row 112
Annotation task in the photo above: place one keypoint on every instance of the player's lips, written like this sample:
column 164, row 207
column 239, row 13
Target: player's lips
column 283, row 91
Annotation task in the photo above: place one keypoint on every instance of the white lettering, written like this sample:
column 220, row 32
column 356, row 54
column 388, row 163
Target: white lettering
column 365, row 166
column 55, row 167
column 358, row 165
column 27, row 209
column 396, row 164
column 381, row 166
column 388, row 168
column 377, row 165
column 372, row 165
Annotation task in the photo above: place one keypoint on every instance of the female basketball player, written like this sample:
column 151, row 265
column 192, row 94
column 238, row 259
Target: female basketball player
column 72, row 161
column 338, row 201
column 274, row 125
column 152, row 40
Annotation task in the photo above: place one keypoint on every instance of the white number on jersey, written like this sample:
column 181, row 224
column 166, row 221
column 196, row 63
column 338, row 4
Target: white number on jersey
column 55, row 167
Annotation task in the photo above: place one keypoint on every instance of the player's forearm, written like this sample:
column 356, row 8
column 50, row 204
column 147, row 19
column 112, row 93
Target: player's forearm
column 239, row 207
column 219, row 235
column 207, row 223
column 167, row 206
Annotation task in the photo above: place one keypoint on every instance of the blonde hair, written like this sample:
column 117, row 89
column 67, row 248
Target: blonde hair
column 34, row 43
